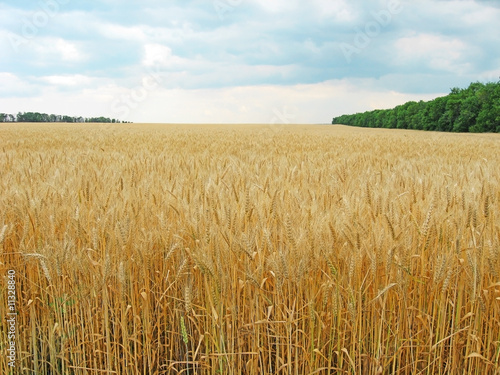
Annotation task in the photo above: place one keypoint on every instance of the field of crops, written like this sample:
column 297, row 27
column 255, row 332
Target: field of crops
column 253, row 249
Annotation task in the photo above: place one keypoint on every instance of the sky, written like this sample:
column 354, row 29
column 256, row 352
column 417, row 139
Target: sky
column 240, row 61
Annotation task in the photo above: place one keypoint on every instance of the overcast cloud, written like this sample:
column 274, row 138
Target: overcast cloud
column 240, row 60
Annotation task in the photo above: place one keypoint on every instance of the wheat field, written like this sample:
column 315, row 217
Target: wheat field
column 249, row 249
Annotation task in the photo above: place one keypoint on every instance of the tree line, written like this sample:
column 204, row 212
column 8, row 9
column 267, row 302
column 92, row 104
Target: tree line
column 44, row 117
column 474, row 109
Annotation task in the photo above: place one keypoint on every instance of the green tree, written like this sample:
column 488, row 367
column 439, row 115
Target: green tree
column 476, row 108
column 469, row 110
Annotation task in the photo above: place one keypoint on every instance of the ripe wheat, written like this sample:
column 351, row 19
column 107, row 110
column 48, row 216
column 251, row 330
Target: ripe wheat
column 155, row 249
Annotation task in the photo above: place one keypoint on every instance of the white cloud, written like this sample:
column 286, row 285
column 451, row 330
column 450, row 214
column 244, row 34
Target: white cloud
column 89, row 102
column 52, row 50
column 161, row 56
column 490, row 75
column 12, row 85
column 5, row 44
column 312, row 103
column 480, row 16
column 276, row 6
column 129, row 33
column 335, row 11
column 68, row 51
column 435, row 51
column 76, row 80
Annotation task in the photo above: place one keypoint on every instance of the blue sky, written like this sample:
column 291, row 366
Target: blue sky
column 232, row 61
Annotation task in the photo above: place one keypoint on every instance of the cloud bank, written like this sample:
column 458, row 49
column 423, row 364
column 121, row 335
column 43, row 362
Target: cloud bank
column 240, row 60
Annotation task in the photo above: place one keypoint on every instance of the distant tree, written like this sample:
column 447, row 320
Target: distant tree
column 401, row 117
column 475, row 109
column 44, row 117
column 436, row 109
column 469, row 110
